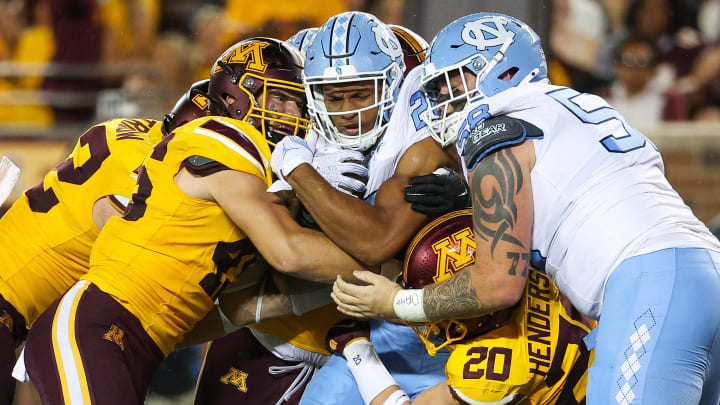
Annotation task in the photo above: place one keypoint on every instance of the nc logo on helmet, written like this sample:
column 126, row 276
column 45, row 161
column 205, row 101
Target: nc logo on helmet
column 481, row 35
column 386, row 42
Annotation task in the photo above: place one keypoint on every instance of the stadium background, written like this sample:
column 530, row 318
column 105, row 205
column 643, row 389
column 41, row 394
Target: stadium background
column 68, row 64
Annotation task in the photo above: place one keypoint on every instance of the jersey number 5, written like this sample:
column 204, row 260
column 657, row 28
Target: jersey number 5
column 593, row 110
column 42, row 200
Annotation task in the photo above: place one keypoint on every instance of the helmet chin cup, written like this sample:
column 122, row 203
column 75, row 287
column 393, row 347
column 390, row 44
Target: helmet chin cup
column 436, row 336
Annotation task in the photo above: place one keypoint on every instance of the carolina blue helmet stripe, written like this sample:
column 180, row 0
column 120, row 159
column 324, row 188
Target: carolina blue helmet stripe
column 339, row 41
column 347, row 37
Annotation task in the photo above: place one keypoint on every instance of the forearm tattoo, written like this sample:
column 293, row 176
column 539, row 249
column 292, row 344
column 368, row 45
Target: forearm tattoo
column 494, row 211
column 453, row 298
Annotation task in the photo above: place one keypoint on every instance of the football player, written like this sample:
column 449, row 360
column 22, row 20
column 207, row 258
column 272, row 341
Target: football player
column 286, row 351
column 554, row 174
column 270, row 362
column 47, row 234
column 198, row 211
column 532, row 352
column 352, row 77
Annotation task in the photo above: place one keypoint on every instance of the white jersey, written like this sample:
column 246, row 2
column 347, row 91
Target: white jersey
column 404, row 130
column 599, row 190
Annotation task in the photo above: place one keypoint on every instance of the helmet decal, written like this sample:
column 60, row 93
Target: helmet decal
column 486, row 33
column 454, row 253
column 387, row 42
column 249, row 54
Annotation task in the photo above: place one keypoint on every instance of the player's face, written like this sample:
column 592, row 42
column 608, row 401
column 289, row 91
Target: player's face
column 286, row 102
column 349, row 97
column 456, row 88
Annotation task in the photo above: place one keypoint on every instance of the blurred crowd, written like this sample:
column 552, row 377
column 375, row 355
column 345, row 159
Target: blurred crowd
column 75, row 61
column 65, row 61
column 653, row 60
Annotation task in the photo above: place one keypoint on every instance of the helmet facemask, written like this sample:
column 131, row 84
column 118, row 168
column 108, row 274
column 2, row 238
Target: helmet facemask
column 444, row 126
column 267, row 121
column 273, row 124
column 440, row 334
column 384, row 91
column 349, row 48
column 248, row 76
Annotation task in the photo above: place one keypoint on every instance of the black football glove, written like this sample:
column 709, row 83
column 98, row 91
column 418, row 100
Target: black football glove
column 438, row 193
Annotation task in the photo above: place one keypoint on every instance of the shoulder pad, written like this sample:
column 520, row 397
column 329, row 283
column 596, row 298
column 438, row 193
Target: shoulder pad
column 494, row 133
column 202, row 166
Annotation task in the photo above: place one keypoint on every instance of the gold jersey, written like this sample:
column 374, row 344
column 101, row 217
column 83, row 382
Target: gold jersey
column 47, row 234
column 170, row 255
column 306, row 331
column 538, row 355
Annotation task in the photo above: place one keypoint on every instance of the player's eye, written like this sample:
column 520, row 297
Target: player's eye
column 457, row 91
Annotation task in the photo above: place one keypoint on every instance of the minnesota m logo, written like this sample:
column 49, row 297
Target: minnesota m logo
column 237, row 378
column 249, row 54
column 115, row 335
column 453, row 253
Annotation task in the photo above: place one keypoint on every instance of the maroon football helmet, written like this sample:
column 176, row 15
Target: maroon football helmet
column 242, row 77
column 191, row 105
column 441, row 249
column 413, row 46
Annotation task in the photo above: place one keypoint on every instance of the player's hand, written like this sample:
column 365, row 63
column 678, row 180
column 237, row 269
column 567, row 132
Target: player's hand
column 289, row 153
column 342, row 168
column 438, row 193
column 373, row 300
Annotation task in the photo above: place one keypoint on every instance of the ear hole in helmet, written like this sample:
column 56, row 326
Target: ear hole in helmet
column 508, row 74
column 228, row 98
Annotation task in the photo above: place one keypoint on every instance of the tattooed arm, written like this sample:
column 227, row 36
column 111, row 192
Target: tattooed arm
column 503, row 218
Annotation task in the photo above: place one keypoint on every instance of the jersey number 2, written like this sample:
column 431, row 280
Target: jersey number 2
column 419, row 105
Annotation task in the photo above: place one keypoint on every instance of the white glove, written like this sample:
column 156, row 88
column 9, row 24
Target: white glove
column 289, row 153
column 342, row 168
column 278, row 185
column 9, row 175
